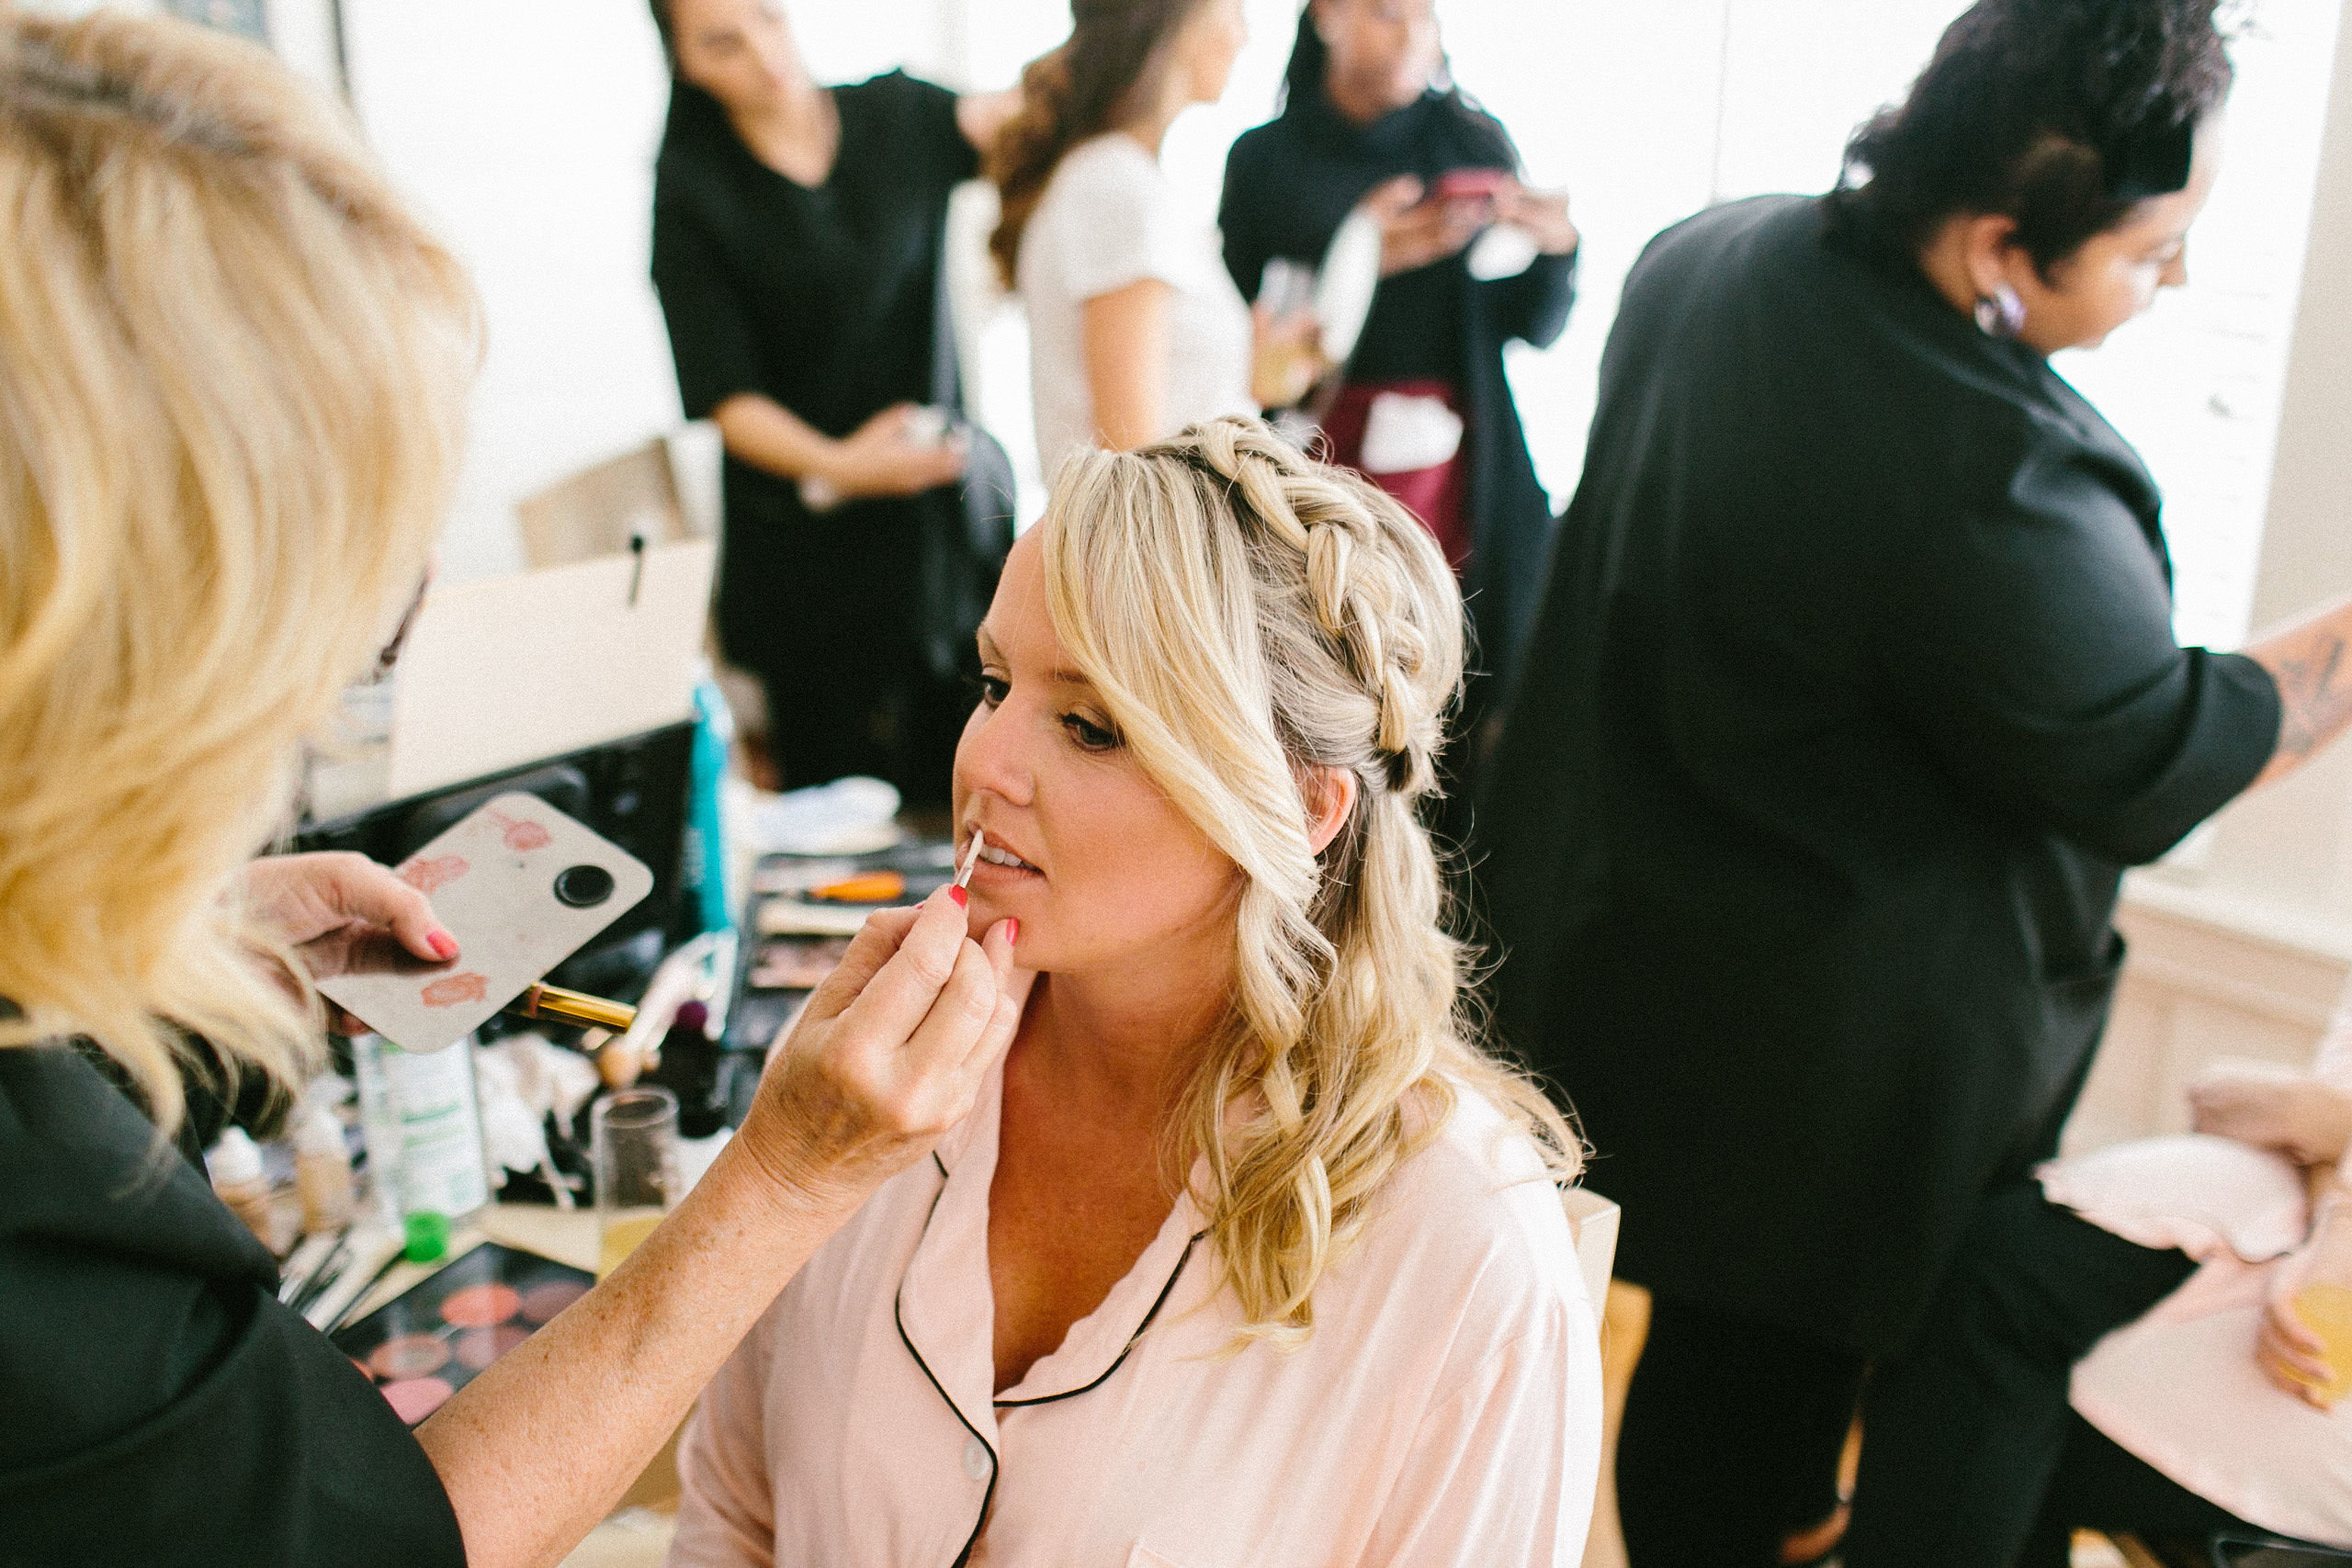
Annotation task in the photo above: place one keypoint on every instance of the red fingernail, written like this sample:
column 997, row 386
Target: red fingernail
column 443, row 943
column 962, row 899
column 1011, row 931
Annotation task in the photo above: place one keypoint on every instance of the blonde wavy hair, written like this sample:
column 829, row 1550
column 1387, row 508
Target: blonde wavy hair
column 1249, row 616
column 232, row 381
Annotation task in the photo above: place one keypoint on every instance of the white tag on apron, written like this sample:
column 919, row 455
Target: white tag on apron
column 1404, row 433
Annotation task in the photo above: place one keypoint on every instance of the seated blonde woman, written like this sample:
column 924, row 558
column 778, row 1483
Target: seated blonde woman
column 1248, row 1252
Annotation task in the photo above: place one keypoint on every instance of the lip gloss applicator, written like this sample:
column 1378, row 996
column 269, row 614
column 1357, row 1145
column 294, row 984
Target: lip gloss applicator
column 971, row 859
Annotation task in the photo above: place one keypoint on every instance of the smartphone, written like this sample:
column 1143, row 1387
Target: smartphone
column 1466, row 183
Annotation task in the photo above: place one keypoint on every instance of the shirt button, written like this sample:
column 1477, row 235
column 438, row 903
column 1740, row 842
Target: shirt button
column 975, row 1458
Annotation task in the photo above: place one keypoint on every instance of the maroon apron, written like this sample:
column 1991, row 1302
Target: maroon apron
column 1436, row 495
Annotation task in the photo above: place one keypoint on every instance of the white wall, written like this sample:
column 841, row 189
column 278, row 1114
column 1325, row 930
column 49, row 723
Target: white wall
column 525, row 131
column 1653, row 111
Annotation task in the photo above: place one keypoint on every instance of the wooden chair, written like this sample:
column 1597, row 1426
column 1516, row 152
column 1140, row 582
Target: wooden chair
column 1624, row 1318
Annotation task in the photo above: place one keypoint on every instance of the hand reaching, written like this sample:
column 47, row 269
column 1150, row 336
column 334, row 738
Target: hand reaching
column 2299, row 1114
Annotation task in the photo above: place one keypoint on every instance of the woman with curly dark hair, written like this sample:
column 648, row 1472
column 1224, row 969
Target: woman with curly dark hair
column 1854, row 690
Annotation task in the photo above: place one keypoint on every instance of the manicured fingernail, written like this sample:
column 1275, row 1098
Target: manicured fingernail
column 443, row 943
column 962, row 899
column 1011, row 931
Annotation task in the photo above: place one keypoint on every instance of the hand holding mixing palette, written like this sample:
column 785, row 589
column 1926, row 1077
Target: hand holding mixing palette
column 522, row 887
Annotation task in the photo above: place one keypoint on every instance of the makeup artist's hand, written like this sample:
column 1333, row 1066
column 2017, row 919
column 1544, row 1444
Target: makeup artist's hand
column 327, row 905
column 883, row 458
column 889, row 1053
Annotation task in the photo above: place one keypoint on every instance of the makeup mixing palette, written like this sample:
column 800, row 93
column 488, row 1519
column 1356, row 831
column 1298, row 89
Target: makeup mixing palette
column 431, row 1340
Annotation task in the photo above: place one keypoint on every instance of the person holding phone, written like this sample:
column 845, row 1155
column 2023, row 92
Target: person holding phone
column 1371, row 122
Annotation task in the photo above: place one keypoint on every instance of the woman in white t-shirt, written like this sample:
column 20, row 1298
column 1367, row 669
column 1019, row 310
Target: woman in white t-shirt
column 1135, row 329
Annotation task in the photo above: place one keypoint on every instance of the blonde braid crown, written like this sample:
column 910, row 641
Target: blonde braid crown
column 1250, row 616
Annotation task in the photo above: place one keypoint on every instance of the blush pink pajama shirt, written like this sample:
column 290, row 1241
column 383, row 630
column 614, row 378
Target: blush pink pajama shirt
column 1445, row 1411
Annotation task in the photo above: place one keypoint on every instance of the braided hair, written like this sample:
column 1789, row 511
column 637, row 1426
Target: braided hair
column 1251, row 618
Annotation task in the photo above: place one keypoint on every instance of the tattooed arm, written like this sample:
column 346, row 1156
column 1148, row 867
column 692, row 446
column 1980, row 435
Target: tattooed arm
column 2312, row 661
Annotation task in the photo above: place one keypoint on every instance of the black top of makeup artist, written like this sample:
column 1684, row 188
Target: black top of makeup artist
column 160, row 1407
column 1854, row 690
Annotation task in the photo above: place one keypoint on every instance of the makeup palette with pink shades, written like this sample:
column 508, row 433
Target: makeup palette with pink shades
column 431, row 1340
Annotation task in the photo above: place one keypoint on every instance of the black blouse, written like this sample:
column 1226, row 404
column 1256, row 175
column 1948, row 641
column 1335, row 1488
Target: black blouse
column 160, row 1406
column 1853, row 691
column 820, row 297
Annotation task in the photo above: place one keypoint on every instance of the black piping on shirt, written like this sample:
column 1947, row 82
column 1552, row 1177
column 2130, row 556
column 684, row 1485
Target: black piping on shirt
column 1160, row 1301
column 897, row 1317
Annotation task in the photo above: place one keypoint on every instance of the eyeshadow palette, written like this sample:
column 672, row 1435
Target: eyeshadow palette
column 433, row 1338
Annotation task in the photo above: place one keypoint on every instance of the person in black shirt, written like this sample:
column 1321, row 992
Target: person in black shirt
column 1369, row 120
column 232, row 383
column 797, row 240
column 1854, row 690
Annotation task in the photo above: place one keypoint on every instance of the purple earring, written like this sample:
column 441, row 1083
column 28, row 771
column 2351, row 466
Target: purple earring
column 2000, row 313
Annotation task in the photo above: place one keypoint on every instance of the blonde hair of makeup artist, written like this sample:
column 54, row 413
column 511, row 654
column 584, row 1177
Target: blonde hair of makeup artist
column 231, row 371
column 1248, row 615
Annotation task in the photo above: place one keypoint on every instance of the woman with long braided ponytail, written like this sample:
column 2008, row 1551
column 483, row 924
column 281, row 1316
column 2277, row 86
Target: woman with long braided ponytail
column 1249, row 1252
